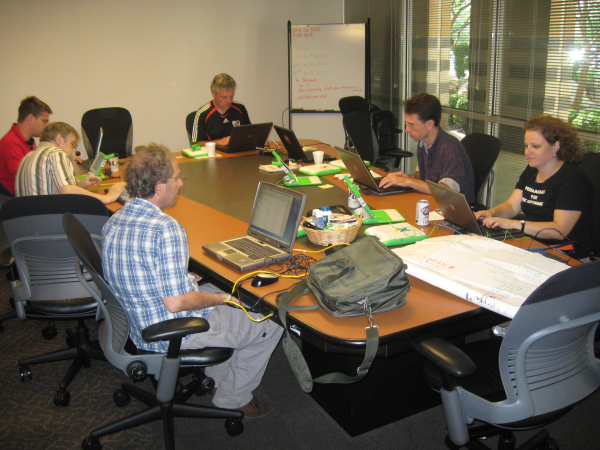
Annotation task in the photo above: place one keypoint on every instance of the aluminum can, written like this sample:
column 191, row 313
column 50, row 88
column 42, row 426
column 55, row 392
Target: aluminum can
column 353, row 202
column 422, row 216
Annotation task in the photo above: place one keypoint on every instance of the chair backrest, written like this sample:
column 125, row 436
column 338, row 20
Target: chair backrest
column 591, row 167
column 189, row 125
column 114, row 330
column 354, row 103
column 44, row 259
column 547, row 357
column 117, row 126
column 386, row 129
column 358, row 129
column 483, row 151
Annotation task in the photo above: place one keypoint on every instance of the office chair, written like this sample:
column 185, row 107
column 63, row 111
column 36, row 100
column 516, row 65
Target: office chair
column 48, row 288
column 189, row 125
column 117, row 126
column 546, row 365
column 591, row 167
column 354, row 103
column 113, row 334
column 483, row 151
column 362, row 137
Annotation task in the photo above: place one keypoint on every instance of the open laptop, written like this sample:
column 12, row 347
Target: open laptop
column 272, row 230
column 362, row 175
column 247, row 137
column 293, row 147
column 456, row 210
column 88, row 163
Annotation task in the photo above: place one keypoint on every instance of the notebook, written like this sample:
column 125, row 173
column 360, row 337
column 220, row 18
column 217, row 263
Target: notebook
column 247, row 137
column 293, row 147
column 271, row 234
column 457, row 212
column 88, row 163
column 362, row 175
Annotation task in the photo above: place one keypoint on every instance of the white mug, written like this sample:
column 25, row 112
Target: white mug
column 210, row 146
column 318, row 156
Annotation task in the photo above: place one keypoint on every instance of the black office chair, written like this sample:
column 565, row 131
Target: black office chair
column 6, row 258
column 113, row 334
column 546, row 365
column 189, row 125
column 363, row 140
column 483, row 151
column 591, row 167
column 354, row 103
column 48, row 288
column 117, row 126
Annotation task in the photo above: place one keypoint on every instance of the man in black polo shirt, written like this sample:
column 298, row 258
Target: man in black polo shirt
column 215, row 120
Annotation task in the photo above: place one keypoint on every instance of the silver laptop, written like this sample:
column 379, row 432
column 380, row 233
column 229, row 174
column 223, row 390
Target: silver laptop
column 271, row 234
column 88, row 163
column 456, row 210
column 247, row 137
column 362, row 175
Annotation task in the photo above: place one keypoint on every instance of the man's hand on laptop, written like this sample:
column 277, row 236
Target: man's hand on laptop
column 89, row 181
column 394, row 179
column 222, row 142
column 115, row 191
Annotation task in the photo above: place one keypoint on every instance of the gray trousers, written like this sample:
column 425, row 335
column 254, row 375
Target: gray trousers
column 253, row 343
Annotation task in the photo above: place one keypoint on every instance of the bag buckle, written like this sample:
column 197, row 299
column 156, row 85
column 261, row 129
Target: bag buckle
column 368, row 313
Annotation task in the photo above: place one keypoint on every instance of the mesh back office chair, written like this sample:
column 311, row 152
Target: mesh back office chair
column 189, row 125
column 6, row 258
column 136, row 364
column 359, row 131
column 546, row 364
column 591, row 167
column 117, row 126
column 48, row 287
column 483, row 151
column 354, row 103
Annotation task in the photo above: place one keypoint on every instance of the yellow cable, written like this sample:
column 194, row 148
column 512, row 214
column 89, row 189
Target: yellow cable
column 237, row 305
column 319, row 251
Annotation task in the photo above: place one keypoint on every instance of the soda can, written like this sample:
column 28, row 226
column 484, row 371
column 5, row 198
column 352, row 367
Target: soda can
column 422, row 217
column 353, row 202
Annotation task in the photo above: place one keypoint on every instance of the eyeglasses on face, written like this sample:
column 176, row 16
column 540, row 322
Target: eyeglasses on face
column 412, row 125
column 179, row 177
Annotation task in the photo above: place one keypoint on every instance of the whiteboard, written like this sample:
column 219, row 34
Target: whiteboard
column 327, row 62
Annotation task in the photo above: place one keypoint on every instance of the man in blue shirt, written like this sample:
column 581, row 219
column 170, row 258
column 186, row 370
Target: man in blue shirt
column 145, row 259
column 442, row 158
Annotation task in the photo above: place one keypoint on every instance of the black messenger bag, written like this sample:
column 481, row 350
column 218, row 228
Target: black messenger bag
column 362, row 279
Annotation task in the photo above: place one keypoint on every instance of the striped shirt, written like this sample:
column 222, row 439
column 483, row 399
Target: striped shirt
column 145, row 257
column 44, row 171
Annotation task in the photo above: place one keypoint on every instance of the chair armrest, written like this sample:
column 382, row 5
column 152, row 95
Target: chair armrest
column 174, row 329
column 446, row 356
column 398, row 153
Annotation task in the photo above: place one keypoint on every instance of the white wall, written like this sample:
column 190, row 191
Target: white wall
column 153, row 57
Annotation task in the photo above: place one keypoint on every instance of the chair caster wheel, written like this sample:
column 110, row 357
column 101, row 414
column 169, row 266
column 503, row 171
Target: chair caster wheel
column 206, row 385
column 62, row 398
column 550, row 444
column 234, row 427
column 49, row 332
column 90, row 443
column 121, row 398
column 25, row 373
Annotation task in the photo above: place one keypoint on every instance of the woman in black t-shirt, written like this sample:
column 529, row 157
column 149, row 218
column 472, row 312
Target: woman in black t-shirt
column 553, row 192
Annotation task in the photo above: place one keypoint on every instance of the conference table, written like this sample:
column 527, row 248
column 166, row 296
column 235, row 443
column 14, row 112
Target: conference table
column 215, row 203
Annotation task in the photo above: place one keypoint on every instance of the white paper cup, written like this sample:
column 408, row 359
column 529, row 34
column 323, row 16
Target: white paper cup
column 318, row 156
column 114, row 164
column 210, row 146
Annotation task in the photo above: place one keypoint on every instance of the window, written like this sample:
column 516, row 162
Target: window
column 494, row 64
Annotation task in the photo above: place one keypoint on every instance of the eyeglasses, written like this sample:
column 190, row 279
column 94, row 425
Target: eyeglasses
column 412, row 125
column 179, row 177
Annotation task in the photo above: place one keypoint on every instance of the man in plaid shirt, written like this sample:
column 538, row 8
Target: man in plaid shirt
column 145, row 260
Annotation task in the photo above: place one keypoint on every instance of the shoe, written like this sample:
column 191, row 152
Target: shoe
column 256, row 408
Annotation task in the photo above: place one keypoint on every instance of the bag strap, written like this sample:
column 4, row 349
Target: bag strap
column 294, row 354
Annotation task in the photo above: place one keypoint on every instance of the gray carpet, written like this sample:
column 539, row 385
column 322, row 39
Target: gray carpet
column 29, row 419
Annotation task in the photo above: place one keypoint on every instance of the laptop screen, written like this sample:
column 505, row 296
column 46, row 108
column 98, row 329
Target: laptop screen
column 98, row 164
column 357, row 168
column 276, row 213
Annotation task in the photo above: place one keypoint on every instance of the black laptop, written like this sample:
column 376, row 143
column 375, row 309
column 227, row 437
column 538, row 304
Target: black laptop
column 457, row 212
column 362, row 175
column 293, row 147
column 247, row 137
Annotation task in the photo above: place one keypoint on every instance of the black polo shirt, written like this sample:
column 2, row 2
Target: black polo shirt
column 209, row 124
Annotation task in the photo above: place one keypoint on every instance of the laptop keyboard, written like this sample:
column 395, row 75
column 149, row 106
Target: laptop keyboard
column 381, row 216
column 254, row 250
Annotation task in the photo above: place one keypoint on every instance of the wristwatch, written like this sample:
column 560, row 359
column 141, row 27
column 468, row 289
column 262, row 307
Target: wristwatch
column 522, row 226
